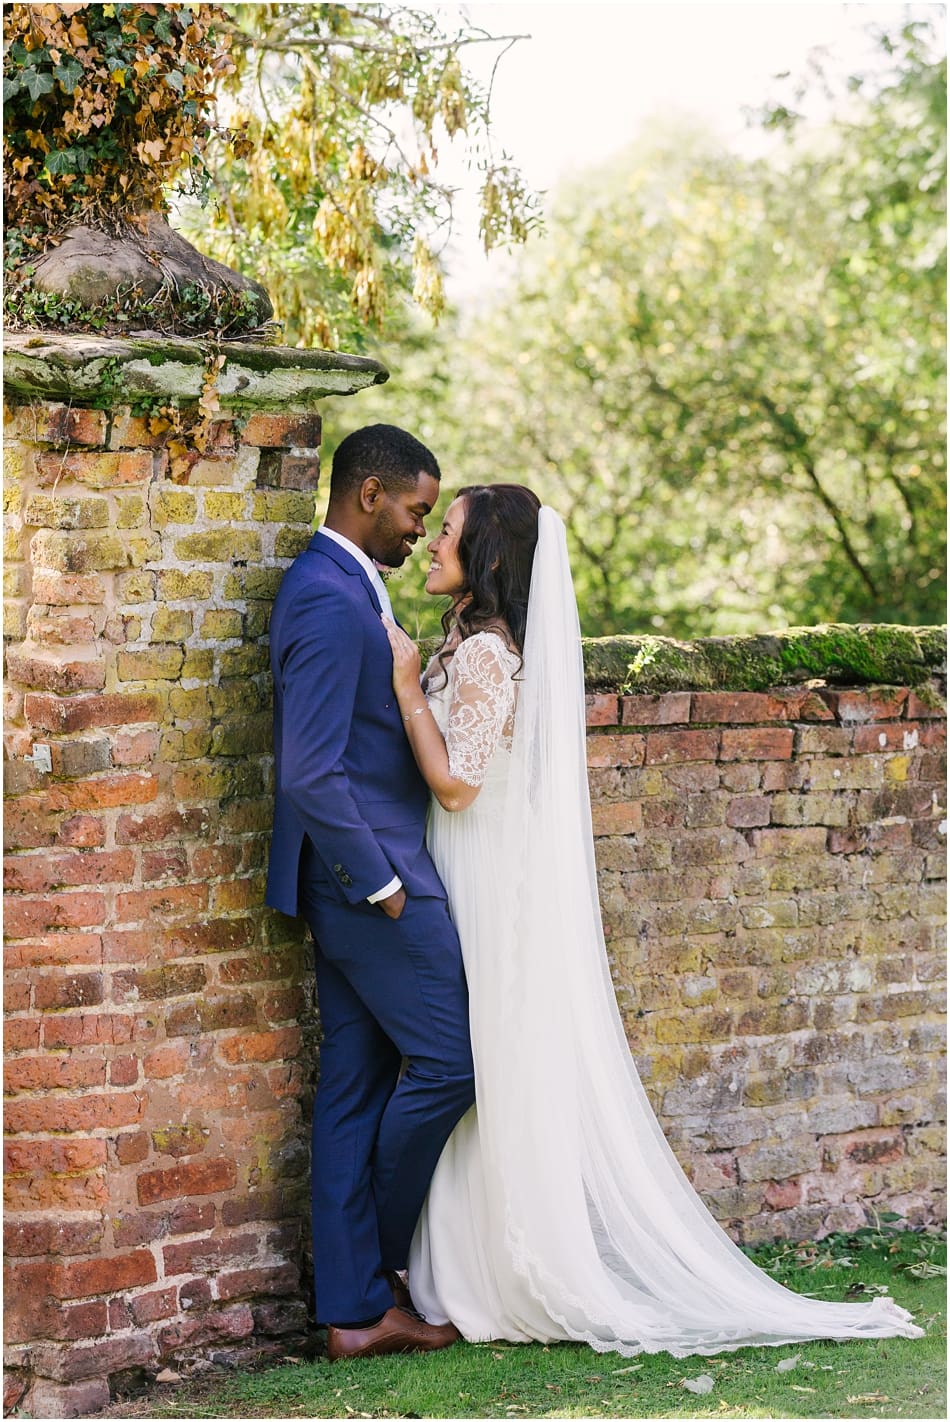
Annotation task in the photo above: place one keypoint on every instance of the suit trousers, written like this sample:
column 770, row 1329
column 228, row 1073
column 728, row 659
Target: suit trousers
column 396, row 1075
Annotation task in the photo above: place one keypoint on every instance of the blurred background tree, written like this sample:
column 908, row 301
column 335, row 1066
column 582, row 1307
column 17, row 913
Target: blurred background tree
column 727, row 374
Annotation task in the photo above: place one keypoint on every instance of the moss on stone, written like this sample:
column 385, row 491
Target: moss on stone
column 836, row 653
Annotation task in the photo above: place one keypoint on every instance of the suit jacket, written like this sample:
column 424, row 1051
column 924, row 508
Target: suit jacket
column 344, row 771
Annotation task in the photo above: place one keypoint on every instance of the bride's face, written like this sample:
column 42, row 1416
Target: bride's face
column 445, row 577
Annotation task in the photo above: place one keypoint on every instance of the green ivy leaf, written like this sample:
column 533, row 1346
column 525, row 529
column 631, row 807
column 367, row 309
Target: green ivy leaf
column 69, row 74
column 175, row 80
column 37, row 82
column 61, row 160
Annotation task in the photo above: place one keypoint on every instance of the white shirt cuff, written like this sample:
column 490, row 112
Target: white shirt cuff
column 385, row 891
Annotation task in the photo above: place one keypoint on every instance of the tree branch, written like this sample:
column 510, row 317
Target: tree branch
column 796, row 442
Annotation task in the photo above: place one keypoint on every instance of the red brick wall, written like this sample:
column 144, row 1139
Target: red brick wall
column 156, row 1167
column 770, row 873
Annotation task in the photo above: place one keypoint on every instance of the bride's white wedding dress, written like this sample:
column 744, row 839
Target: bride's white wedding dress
column 557, row 1210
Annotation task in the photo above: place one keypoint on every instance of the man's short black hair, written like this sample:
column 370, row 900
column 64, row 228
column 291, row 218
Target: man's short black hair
column 396, row 457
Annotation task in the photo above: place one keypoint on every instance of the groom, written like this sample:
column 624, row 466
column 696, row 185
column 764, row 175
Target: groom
column 348, row 853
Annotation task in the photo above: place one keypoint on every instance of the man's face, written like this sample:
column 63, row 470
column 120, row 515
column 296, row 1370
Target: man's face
column 399, row 521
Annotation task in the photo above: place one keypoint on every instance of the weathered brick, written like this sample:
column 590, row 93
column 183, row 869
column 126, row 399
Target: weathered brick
column 66, row 512
column 779, row 843
column 85, row 1113
column 199, row 1177
column 874, row 704
column 218, row 546
column 47, row 423
column 272, row 431
column 154, row 664
column 602, row 710
column 97, row 471
column 151, row 984
column 56, row 991
column 261, row 1046
column 73, row 669
column 670, row 746
column 78, row 713
column 169, row 625
column 757, row 743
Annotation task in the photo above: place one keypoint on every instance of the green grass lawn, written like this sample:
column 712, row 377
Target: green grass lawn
column 888, row 1378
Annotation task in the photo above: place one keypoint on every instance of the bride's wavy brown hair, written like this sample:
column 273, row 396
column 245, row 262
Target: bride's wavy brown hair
column 496, row 550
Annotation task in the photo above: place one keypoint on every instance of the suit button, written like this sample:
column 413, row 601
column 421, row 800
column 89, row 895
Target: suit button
column 345, row 880
column 338, row 868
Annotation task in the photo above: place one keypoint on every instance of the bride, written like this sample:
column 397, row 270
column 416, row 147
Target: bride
column 557, row 1210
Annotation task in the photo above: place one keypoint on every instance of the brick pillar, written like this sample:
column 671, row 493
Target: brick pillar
column 156, row 1062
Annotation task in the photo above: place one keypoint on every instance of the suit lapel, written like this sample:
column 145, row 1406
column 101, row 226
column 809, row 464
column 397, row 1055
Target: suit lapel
column 346, row 563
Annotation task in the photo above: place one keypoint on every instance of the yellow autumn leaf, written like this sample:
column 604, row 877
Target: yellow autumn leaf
column 118, row 77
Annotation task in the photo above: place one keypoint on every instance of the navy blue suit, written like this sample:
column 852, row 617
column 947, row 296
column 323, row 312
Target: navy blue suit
column 350, row 810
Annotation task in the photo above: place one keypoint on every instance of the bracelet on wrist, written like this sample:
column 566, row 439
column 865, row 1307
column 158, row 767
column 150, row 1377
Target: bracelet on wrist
column 418, row 710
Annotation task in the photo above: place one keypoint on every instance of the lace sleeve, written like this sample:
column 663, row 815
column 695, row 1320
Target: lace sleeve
column 483, row 696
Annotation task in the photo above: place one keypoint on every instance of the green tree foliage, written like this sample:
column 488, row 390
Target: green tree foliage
column 726, row 374
column 331, row 195
column 104, row 106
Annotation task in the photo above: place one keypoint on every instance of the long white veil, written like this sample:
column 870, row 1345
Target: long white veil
column 601, row 1224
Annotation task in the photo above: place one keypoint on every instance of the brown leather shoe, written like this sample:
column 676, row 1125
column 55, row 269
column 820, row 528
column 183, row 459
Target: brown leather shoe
column 396, row 1332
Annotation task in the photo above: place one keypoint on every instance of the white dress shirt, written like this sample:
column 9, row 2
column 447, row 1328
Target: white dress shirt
column 372, row 572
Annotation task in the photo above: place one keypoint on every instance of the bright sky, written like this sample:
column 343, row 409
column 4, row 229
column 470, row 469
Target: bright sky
column 593, row 72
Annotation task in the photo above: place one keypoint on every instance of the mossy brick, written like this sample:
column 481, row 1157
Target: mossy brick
column 50, row 671
column 138, row 586
column 284, row 506
column 919, row 707
column 12, row 498
column 13, row 545
column 173, row 506
column 14, row 621
column 246, row 735
column 273, row 431
column 253, row 582
column 16, row 581
column 180, row 585
column 257, row 620
column 171, row 625
column 191, row 744
column 226, row 545
column 291, row 541
column 131, row 511
column 823, row 740
column 220, row 623
column 198, row 664
column 226, row 506
column 244, row 661
column 820, row 808
column 187, row 1139
column 236, row 695
column 96, row 471
column 190, row 703
column 217, row 781
column 50, row 511
column 152, row 664
column 68, row 552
